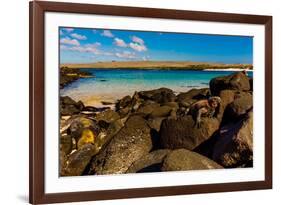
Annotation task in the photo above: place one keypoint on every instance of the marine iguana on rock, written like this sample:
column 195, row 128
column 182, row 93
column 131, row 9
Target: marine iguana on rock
column 204, row 108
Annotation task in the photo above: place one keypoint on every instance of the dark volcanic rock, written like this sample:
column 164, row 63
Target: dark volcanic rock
column 68, row 75
column 131, row 143
column 242, row 103
column 124, row 112
column 227, row 97
column 69, row 107
column 189, row 97
column 237, row 81
column 181, row 132
column 124, row 102
column 153, row 158
column 173, row 105
column 78, row 160
column 235, row 145
column 155, row 123
column 251, row 84
column 107, row 116
column 161, row 95
column 182, row 159
column 107, row 103
column 162, row 111
column 91, row 109
column 66, row 144
column 147, row 108
column 62, row 162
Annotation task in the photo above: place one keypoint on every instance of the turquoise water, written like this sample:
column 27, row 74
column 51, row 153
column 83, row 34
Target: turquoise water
column 112, row 84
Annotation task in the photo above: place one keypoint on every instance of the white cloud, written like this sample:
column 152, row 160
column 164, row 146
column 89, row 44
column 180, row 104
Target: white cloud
column 87, row 48
column 69, row 41
column 119, row 42
column 107, row 33
column 107, row 53
column 137, row 44
column 137, row 40
column 68, row 29
column 83, row 49
column 138, row 47
column 145, row 58
column 63, row 47
column 78, row 36
column 126, row 54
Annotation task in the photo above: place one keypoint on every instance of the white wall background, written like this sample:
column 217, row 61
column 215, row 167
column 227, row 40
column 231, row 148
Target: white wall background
column 14, row 99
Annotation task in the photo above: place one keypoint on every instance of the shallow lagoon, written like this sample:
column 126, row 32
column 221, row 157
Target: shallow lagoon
column 112, row 84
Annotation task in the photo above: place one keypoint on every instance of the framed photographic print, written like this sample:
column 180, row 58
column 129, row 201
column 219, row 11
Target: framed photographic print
column 139, row 102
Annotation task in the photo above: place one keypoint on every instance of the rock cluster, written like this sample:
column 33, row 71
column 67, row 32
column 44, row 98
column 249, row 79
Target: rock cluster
column 152, row 131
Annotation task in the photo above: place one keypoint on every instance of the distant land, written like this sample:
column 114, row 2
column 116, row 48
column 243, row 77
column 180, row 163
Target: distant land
column 188, row 65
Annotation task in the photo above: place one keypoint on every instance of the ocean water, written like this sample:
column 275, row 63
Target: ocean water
column 113, row 84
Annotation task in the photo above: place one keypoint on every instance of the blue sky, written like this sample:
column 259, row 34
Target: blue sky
column 85, row 45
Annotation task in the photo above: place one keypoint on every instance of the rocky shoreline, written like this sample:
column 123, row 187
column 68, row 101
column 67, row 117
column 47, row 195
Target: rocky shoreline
column 68, row 75
column 153, row 131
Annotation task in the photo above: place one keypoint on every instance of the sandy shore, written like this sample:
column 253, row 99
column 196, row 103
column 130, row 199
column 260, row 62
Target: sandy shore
column 186, row 65
column 227, row 69
column 97, row 101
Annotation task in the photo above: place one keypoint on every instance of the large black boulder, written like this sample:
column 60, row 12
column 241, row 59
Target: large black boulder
column 161, row 95
column 181, row 132
column 237, row 81
column 131, row 143
column 183, row 160
column 70, row 107
column 148, row 162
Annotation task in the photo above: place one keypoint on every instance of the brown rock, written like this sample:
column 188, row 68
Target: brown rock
column 227, row 97
column 237, row 81
column 150, row 160
column 69, row 107
column 146, row 109
column 124, row 102
column 242, row 103
column 162, row 111
column 189, row 97
column 181, row 132
column 182, row 160
column 155, row 123
column 235, row 145
column 107, row 116
column 131, row 143
column 161, row 95
column 78, row 160
column 65, row 144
